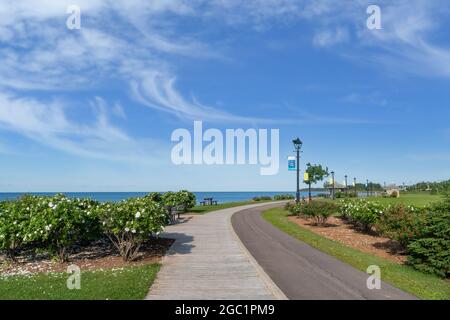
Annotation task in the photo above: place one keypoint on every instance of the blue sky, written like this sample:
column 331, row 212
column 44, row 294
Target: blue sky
column 93, row 109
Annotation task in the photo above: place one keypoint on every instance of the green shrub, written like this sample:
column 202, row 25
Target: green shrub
column 154, row 196
column 344, row 195
column 319, row 211
column 288, row 207
column 362, row 213
column 279, row 197
column 186, row 200
column 59, row 223
column 14, row 217
column 262, row 198
column 322, row 195
column 182, row 199
column 401, row 223
column 394, row 194
column 129, row 223
column 430, row 252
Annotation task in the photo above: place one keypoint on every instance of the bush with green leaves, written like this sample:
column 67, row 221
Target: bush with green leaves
column 430, row 251
column 401, row 223
column 344, row 195
column 362, row 213
column 154, row 196
column 278, row 197
column 319, row 211
column 130, row 222
column 186, row 200
column 60, row 222
column 182, row 199
column 262, row 198
column 14, row 217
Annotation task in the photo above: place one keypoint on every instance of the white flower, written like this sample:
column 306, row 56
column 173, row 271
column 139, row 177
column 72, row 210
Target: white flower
column 50, row 204
column 127, row 229
column 133, row 231
column 137, row 215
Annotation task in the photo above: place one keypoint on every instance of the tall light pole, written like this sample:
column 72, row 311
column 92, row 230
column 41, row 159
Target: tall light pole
column 298, row 145
column 332, row 192
column 346, row 185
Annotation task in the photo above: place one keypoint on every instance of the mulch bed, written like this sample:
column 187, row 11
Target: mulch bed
column 100, row 255
column 339, row 230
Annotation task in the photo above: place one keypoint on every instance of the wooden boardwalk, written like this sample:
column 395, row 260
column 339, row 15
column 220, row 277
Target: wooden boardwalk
column 208, row 261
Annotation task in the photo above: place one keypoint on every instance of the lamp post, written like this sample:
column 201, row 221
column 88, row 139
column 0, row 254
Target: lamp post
column 356, row 191
column 346, row 185
column 332, row 190
column 298, row 145
column 367, row 187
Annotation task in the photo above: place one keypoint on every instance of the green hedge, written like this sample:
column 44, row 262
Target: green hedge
column 424, row 233
column 58, row 223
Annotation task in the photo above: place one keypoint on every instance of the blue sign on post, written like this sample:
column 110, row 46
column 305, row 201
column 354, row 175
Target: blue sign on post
column 292, row 164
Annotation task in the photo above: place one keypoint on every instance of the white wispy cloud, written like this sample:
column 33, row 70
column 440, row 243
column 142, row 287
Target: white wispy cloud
column 133, row 41
column 47, row 123
column 327, row 38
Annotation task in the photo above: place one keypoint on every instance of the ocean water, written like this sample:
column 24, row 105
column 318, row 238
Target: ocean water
column 221, row 197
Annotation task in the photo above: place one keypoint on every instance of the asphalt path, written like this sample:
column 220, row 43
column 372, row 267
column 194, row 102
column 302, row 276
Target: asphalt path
column 301, row 271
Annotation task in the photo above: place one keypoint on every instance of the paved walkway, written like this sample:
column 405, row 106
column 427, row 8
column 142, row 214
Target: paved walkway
column 301, row 271
column 208, row 261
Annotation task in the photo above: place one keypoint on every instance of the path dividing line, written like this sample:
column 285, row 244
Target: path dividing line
column 208, row 261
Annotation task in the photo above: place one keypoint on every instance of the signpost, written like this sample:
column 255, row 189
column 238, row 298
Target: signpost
column 292, row 164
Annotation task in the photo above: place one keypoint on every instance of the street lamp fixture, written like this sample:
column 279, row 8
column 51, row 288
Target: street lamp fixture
column 298, row 145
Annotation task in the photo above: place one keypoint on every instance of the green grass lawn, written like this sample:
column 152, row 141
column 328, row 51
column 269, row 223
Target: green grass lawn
column 416, row 199
column 205, row 209
column 131, row 283
column 404, row 277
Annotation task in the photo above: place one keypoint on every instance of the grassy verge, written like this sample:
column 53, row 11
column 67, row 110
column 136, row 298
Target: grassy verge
column 206, row 209
column 131, row 283
column 403, row 277
column 416, row 199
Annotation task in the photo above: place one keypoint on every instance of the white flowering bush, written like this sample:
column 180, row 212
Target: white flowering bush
column 56, row 223
column 59, row 223
column 182, row 199
column 129, row 223
column 14, row 217
column 361, row 213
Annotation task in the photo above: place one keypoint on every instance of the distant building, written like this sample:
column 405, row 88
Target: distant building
column 338, row 187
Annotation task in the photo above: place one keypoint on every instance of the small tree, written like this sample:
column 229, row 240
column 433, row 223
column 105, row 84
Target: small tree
column 316, row 173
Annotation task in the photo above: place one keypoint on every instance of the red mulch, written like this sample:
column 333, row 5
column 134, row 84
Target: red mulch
column 100, row 255
column 339, row 230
